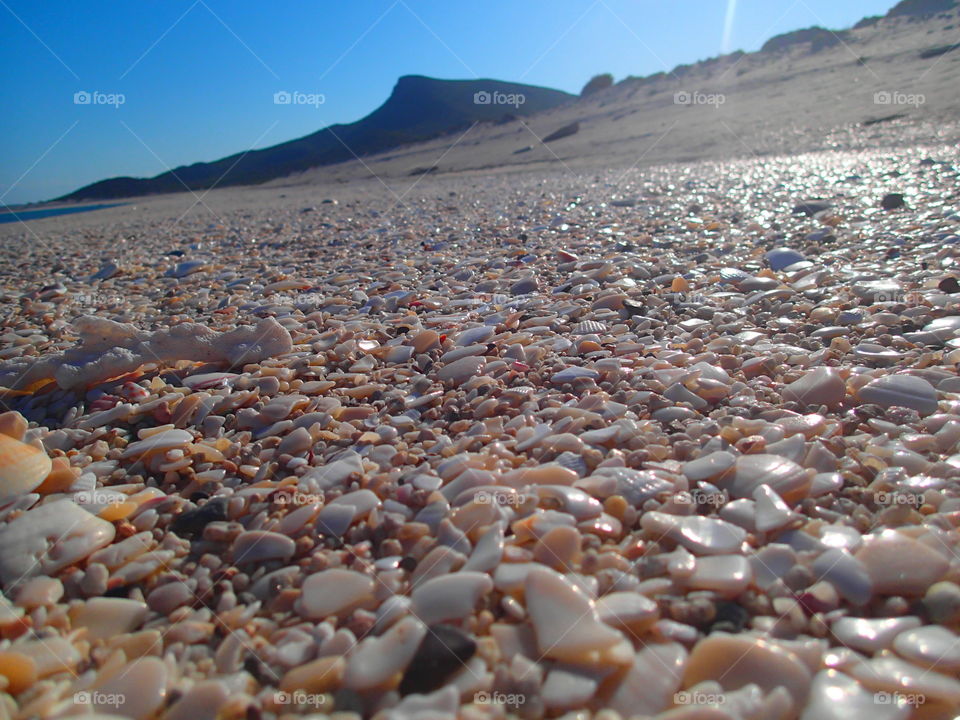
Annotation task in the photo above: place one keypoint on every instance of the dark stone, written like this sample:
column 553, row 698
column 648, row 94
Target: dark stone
column 949, row 285
column 634, row 308
column 444, row 650
column 192, row 522
column 730, row 617
column 892, row 201
column 120, row 591
column 825, row 237
column 811, row 207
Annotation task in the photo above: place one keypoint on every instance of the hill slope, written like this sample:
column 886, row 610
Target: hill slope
column 891, row 79
column 419, row 108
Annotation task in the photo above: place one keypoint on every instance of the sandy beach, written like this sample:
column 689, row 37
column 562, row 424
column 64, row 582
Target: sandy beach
column 659, row 419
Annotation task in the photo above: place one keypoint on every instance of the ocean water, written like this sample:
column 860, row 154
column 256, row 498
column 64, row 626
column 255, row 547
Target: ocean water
column 24, row 215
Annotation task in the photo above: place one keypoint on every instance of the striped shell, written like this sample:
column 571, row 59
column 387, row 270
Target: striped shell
column 22, row 468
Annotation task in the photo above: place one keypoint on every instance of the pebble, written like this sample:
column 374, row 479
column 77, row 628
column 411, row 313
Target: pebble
column 820, row 386
column 871, row 635
column 628, row 611
column 333, row 592
column 847, row 574
column 317, row 676
column 737, row 660
column 892, row 201
column 836, row 696
column 930, row 647
column 565, row 620
column 899, row 565
column 728, row 575
column 378, row 661
column 459, row 371
column 892, row 675
column 450, row 597
column 256, row 546
column 772, row 513
column 785, row 477
column 137, row 691
column 780, row 258
column 107, row 617
column 651, row 681
column 203, row 701
column 700, row 535
column 47, row 539
column 942, row 603
column 902, row 391
column 524, row 286
column 571, row 374
column 443, row 652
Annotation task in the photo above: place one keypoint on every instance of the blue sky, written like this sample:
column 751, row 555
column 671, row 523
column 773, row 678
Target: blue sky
column 197, row 77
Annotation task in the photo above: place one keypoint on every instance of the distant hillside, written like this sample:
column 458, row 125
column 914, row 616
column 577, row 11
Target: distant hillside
column 922, row 8
column 419, row 108
column 890, row 79
column 816, row 37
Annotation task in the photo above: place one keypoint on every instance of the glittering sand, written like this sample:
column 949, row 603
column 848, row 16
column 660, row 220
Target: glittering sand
column 677, row 442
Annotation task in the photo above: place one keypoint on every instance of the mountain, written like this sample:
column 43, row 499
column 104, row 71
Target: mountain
column 884, row 79
column 817, row 37
column 418, row 109
column 878, row 84
column 921, row 8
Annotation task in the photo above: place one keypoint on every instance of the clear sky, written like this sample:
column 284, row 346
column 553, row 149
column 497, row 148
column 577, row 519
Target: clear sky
column 198, row 77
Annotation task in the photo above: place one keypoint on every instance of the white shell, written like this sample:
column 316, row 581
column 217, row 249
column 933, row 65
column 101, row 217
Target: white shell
column 564, row 619
column 49, row 538
column 331, row 592
column 450, row 597
column 903, row 390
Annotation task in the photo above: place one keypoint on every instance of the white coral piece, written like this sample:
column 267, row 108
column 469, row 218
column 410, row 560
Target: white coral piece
column 108, row 349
